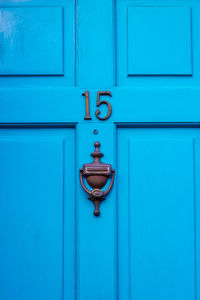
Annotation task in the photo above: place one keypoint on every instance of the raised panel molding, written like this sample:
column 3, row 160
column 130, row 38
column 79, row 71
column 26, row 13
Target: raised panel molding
column 31, row 41
column 159, row 41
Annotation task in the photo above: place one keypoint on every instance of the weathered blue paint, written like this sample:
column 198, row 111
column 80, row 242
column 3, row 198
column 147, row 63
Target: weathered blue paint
column 145, row 245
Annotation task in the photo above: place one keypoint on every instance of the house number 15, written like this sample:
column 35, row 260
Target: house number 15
column 97, row 112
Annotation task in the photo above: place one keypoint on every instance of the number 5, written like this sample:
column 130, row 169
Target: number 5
column 97, row 113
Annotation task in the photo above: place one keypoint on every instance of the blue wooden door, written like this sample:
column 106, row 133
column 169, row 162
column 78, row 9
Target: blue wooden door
column 145, row 244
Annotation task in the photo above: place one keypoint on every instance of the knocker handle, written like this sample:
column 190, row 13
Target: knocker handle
column 97, row 174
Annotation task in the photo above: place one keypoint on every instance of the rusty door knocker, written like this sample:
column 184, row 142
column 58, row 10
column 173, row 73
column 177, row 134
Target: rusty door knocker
column 97, row 174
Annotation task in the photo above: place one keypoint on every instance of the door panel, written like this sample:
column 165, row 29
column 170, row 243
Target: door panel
column 155, row 50
column 37, row 44
column 33, row 54
column 157, row 43
column 157, row 219
column 37, row 214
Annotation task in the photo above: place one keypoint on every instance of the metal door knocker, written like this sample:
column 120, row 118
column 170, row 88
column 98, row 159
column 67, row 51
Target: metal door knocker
column 97, row 174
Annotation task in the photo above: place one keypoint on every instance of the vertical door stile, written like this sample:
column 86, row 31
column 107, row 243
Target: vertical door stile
column 96, row 242
column 96, row 235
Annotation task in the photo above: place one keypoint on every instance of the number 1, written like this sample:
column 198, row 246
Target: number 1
column 87, row 106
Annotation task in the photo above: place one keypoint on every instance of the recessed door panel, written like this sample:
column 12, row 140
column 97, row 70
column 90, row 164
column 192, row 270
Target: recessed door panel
column 36, row 212
column 23, row 50
column 156, row 209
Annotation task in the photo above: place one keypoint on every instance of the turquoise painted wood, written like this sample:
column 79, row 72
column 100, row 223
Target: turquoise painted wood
column 168, row 57
column 34, row 170
column 145, row 245
column 20, row 41
column 158, row 247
